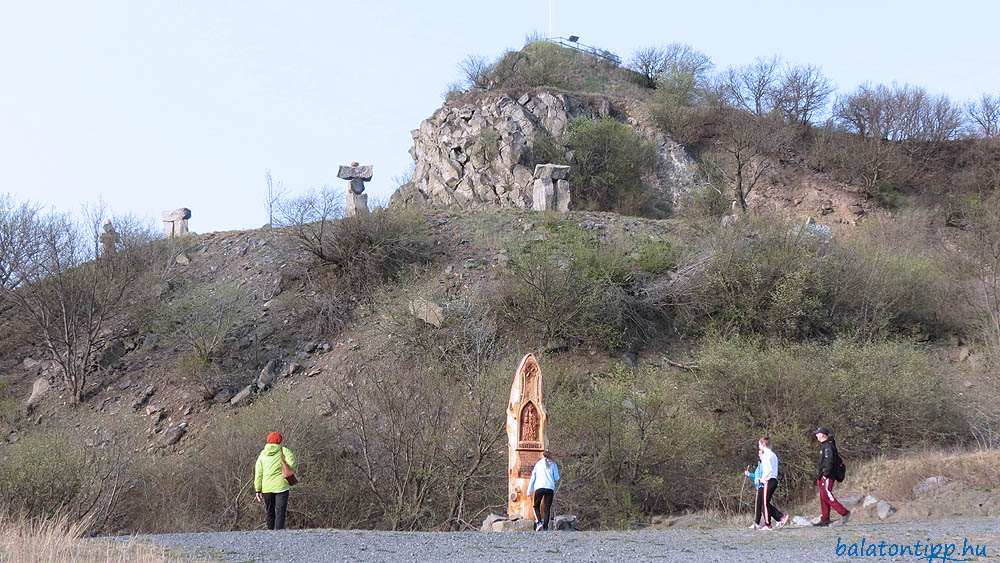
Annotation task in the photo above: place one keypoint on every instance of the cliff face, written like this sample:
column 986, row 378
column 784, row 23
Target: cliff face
column 480, row 155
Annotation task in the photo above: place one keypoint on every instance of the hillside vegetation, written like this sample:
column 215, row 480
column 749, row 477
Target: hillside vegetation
column 383, row 346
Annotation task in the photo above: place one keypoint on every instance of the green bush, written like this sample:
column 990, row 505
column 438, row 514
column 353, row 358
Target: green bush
column 631, row 447
column 545, row 149
column 609, row 162
column 794, row 281
column 44, row 472
column 877, row 397
column 553, row 298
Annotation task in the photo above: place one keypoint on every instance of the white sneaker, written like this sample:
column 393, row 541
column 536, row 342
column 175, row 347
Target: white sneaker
column 538, row 526
column 765, row 528
column 782, row 522
column 753, row 526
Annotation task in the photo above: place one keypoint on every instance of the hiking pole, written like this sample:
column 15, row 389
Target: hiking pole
column 743, row 486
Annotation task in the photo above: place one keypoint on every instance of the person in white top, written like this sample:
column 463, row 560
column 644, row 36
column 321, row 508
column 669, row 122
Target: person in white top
column 769, row 482
column 542, row 485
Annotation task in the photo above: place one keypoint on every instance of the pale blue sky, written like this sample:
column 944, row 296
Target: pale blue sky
column 161, row 104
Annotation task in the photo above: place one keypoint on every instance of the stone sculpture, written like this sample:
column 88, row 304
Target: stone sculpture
column 551, row 188
column 108, row 239
column 525, row 435
column 175, row 222
column 357, row 201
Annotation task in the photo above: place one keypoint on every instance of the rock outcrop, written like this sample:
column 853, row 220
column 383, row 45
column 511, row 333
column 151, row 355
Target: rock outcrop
column 479, row 154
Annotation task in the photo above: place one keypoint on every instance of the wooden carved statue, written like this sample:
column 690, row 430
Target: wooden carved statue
column 525, row 435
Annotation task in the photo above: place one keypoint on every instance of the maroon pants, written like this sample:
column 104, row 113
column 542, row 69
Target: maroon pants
column 827, row 500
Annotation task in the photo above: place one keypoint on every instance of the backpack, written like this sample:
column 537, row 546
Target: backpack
column 839, row 469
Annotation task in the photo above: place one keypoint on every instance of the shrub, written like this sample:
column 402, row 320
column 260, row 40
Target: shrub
column 51, row 472
column 609, row 162
column 554, row 299
column 545, row 149
column 877, row 397
column 777, row 278
column 201, row 319
column 637, row 449
column 365, row 251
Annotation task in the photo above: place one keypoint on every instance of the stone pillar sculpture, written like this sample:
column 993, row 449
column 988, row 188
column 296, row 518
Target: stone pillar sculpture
column 357, row 201
column 526, row 439
column 175, row 222
column 108, row 239
column 551, row 188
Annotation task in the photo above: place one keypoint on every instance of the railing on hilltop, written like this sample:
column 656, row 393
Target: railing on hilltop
column 573, row 43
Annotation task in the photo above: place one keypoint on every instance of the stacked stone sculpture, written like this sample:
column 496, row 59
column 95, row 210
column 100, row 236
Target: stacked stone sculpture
column 551, row 188
column 357, row 201
column 175, row 222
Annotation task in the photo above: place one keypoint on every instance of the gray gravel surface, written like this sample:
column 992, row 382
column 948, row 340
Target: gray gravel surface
column 715, row 544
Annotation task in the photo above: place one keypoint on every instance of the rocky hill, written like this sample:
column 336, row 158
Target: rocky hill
column 481, row 154
column 383, row 345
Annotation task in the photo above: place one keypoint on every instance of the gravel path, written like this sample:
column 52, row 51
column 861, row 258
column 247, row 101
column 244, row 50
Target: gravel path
column 716, row 544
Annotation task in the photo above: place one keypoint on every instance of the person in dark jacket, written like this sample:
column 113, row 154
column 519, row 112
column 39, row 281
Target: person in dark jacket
column 827, row 465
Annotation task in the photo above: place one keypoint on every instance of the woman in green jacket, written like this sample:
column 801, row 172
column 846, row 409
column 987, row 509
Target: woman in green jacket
column 269, row 482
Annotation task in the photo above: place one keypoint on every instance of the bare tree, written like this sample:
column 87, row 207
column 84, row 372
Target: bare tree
column 71, row 301
column 308, row 219
column 477, row 72
column 801, row 92
column 899, row 113
column 985, row 116
column 275, row 191
column 751, row 88
column 750, row 144
column 650, row 62
column 19, row 244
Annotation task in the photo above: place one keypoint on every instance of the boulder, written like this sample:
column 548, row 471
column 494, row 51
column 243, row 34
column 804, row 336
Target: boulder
column 268, row 375
column 143, row 397
column 518, row 525
column 31, row 364
column 490, row 520
column 851, row 500
column 566, row 522
column 174, row 434
column 243, row 395
column 884, row 509
column 929, row 485
column 427, row 311
column 869, row 500
column 38, row 390
column 222, row 396
column 801, row 521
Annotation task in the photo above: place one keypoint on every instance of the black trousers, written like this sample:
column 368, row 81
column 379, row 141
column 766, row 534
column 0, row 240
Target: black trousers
column 543, row 506
column 276, row 504
column 765, row 509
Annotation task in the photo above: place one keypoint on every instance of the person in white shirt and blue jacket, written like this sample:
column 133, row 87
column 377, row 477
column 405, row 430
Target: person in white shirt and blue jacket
column 544, row 477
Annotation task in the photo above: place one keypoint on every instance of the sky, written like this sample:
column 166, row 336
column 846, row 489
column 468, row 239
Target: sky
column 154, row 105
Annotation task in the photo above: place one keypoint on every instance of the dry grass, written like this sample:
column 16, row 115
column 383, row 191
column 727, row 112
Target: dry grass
column 894, row 478
column 57, row 539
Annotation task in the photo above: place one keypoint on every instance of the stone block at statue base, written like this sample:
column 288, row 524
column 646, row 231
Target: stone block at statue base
column 356, row 204
column 543, row 195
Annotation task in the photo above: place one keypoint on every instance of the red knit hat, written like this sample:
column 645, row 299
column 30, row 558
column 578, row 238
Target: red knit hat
column 274, row 438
